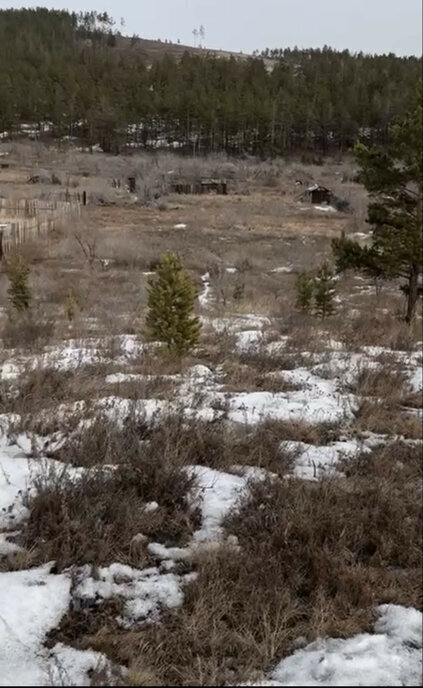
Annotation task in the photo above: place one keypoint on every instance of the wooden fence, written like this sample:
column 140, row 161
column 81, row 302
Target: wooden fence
column 26, row 220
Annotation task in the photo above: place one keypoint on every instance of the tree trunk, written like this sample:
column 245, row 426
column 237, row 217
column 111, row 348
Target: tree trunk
column 413, row 294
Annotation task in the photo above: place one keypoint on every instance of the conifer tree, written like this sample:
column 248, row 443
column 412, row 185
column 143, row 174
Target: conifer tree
column 324, row 291
column 305, row 289
column 18, row 292
column 393, row 177
column 171, row 298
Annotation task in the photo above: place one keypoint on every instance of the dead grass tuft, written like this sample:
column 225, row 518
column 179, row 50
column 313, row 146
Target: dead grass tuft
column 385, row 383
column 380, row 417
column 93, row 518
column 240, row 377
column 314, row 559
column 27, row 332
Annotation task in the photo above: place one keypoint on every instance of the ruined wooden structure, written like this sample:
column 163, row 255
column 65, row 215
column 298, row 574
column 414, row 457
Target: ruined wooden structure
column 26, row 220
column 204, row 186
column 318, row 194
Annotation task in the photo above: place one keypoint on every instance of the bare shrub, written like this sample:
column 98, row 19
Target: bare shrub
column 93, row 518
column 370, row 329
column 380, row 417
column 39, row 388
column 246, row 378
column 31, row 331
column 385, row 383
column 313, row 561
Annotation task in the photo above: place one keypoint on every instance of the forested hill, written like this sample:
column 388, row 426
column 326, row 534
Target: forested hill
column 76, row 72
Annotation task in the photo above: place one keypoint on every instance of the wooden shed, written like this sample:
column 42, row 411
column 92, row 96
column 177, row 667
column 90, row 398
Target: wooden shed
column 319, row 194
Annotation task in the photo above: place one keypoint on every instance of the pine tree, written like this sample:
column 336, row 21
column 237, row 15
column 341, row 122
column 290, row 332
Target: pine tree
column 393, row 177
column 324, row 291
column 305, row 289
column 171, row 298
column 18, row 292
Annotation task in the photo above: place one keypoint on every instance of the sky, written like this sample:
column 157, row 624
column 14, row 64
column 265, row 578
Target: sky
column 372, row 26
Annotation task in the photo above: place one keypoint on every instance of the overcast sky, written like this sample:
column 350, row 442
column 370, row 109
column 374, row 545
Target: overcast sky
column 374, row 26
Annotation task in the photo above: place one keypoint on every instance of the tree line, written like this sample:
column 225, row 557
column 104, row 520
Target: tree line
column 77, row 72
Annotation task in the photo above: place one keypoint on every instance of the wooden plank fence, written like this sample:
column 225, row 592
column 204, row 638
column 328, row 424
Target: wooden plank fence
column 26, row 220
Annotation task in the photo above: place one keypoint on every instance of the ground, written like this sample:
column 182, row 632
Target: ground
column 248, row 514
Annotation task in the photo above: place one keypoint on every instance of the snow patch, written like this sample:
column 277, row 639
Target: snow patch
column 205, row 296
column 216, row 494
column 144, row 592
column 31, row 603
column 314, row 461
column 325, row 208
column 390, row 657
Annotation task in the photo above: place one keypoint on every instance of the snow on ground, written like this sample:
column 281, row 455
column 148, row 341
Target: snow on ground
column 248, row 339
column 73, row 354
column 205, row 297
column 71, row 667
column 325, row 208
column 346, row 367
column 7, row 547
column 251, row 408
column 316, row 401
column 144, row 591
column 236, row 322
column 313, row 461
column 283, row 268
column 31, row 604
column 216, row 493
column 390, row 657
column 415, row 379
column 17, row 475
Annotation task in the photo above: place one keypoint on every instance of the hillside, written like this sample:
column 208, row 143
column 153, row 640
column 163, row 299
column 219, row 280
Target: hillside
column 90, row 83
column 151, row 50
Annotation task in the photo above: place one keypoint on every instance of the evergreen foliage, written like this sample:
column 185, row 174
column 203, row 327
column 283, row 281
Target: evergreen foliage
column 305, row 290
column 171, row 298
column 18, row 292
column 77, row 72
column 324, row 291
column 393, row 177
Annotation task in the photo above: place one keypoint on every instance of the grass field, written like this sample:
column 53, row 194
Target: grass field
column 250, row 512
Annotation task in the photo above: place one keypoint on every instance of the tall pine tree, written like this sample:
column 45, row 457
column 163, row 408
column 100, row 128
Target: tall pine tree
column 393, row 177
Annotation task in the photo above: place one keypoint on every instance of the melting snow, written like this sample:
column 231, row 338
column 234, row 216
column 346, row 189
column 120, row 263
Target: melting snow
column 31, row 604
column 247, row 339
column 205, row 296
column 390, row 657
column 144, row 592
column 313, row 461
column 415, row 380
column 283, row 268
column 216, row 493
column 71, row 667
column 325, row 208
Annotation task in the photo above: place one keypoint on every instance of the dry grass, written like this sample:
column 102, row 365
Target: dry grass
column 373, row 329
column 378, row 417
column 28, row 332
column 93, row 518
column 385, row 383
column 241, row 377
column 314, row 560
